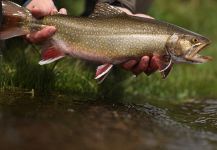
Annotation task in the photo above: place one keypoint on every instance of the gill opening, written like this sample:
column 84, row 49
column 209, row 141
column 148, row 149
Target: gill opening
column 167, row 67
column 170, row 63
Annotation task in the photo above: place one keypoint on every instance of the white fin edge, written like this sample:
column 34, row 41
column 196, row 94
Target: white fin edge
column 45, row 62
column 103, row 78
column 104, row 73
column 167, row 67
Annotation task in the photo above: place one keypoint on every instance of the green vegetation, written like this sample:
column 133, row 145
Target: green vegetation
column 19, row 67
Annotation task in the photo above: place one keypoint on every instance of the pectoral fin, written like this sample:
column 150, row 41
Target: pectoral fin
column 50, row 53
column 165, row 72
column 165, row 67
column 102, row 72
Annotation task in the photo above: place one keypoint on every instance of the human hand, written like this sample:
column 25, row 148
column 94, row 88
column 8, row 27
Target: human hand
column 39, row 9
column 147, row 64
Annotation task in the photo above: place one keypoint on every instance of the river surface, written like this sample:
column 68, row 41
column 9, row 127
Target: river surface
column 72, row 123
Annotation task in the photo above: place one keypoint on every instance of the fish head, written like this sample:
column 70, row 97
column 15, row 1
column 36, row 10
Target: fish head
column 186, row 48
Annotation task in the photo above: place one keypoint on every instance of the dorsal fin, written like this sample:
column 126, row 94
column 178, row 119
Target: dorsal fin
column 106, row 10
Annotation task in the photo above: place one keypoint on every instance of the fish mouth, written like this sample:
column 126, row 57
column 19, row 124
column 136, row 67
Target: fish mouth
column 193, row 55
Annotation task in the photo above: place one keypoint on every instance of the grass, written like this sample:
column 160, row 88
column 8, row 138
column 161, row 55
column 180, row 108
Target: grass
column 19, row 67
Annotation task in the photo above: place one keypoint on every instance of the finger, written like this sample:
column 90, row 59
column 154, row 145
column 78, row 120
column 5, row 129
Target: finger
column 54, row 11
column 42, row 35
column 153, row 66
column 38, row 13
column 63, row 11
column 142, row 66
column 129, row 65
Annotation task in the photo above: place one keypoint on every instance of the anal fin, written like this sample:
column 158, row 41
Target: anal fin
column 102, row 72
column 51, row 54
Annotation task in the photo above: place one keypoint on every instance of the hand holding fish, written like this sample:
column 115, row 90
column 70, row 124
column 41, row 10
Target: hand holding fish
column 39, row 9
column 144, row 65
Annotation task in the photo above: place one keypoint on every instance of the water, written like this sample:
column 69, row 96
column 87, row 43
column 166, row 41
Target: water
column 61, row 122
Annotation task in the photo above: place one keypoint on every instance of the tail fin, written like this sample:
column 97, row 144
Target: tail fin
column 14, row 19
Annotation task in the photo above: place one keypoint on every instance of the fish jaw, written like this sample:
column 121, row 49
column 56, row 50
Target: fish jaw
column 193, row 55
column 198, row 59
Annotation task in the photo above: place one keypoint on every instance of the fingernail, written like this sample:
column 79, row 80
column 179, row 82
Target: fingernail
column 63, row 11
column 51, row 30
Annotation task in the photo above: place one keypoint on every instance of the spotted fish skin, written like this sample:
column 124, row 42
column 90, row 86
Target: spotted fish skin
column 106, row 39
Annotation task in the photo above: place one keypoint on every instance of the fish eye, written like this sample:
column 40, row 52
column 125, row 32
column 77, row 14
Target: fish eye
column 194, row 40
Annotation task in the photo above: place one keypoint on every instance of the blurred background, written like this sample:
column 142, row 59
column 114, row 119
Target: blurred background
column 60, row 106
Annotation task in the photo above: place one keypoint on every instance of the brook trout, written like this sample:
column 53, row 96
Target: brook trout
column 108, row 36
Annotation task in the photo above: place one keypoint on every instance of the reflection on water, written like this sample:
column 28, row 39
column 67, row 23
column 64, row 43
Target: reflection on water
column 199, row 114
column 62, row 122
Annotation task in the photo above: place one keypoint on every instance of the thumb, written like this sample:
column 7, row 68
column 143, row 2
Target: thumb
column 38, row 13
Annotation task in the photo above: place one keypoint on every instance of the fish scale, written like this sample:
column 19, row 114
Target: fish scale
column 139, row 41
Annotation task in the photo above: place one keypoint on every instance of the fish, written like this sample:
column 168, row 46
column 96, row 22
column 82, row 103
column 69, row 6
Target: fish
column 108, row 36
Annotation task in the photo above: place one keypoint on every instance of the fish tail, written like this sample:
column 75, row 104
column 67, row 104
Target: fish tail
column 16, row 20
